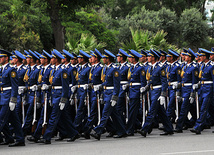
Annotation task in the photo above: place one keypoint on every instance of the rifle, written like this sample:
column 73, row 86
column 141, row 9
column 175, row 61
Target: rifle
column 76, row 103
column 197, row 104
column 34, row 113
column 127, row 107
column 98, row 108
column 176, row 104
column 144, row 108
column 44, row 125
column 87, row 102
column 148, row 98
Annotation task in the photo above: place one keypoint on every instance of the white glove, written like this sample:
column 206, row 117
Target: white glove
column 179, row 98
column 44, row 87
column 34, row 88
column 85, row 87
column 175, row 85
column 142, row 89
column 21, row 91
column 124, row 87
column 38, row 105
column 162, row 100
column 195, row 86
column 61, row 105
column 73, row 89
column 96, row 88
column 191, row 100
column 12, row 106
column 113, row 103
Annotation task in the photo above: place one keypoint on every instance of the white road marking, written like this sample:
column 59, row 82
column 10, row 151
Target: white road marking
column 188, row 152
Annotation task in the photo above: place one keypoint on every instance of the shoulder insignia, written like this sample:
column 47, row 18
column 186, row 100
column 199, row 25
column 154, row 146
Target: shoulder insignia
column 196, row 73
column 143, row 73
column 116, row 74
column 74, row 72
column 163, row 73
column 179, row 71
column 13, row 74
column 65, row 75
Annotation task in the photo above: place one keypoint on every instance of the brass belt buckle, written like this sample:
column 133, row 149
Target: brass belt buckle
column 78, row 86
column 1, row 89
column 202, row 82
column 182, row 84
column 131, row 84
column 104, row 87
column 169, row 83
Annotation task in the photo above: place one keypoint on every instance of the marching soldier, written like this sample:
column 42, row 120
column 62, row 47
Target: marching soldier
column 9, row 92
column 111, row 87
column 33, row 96
column 95, row 96
column 189, row 75
column 173, row 78
column 157, row 81
column 206, row 74
column 82, row 77
column 59, row 96
column 137, row 79
column 43, row 81
column 122, row 103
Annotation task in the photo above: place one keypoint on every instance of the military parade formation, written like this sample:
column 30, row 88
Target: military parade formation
column 68, row 96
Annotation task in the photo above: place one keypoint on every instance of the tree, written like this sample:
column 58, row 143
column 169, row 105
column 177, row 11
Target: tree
column 193, row 29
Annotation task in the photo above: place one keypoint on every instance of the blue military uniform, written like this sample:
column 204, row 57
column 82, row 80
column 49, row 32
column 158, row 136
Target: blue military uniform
column 94, row 80
column 137, row 79
column 173, row 73
column 8, row 95
column 206, row 75
column 123, row 69
column 31, row 80
column 189, row 75
column 82, row 77
column 59, row 95
column 111, row 88
column 157, row 81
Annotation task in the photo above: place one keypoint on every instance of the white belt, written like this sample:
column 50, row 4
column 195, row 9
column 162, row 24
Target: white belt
column 56, row 87
column 21, row 87
column 31, row 87
column 123, row 82
column 135, row 84
column 5, row 88
column 187, row 84
column 206, row 82
column 107, row 88
column 80, row 85
column 70, row 85
column 172, row 83
column 156, row 87
column 96, row 85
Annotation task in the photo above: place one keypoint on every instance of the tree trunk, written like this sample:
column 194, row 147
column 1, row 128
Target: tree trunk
column 57, row 27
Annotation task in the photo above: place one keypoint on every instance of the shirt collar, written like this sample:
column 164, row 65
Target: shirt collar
column 153, row 66
column 67, row 65
column 3, row 66
column 207, row 63
column 31, row 67
column 56, row 67
column 136, row 64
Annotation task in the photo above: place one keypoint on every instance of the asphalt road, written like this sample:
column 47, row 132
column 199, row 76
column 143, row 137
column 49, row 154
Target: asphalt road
column 182, row 143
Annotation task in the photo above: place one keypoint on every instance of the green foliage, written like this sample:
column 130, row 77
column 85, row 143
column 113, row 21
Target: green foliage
column 86, row 43
column 194, row 30
column 143, row 39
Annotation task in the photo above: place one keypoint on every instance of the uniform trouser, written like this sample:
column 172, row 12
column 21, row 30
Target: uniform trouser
column 155, row 109
column 205, row 101
column 55, row 116
column 134, row 106
column 121, row 108
column 108, row 110
column 7, row 134
column 38, row 131
column 93, row 118
column 170, row 112
column 7, row 116
column 81, row 113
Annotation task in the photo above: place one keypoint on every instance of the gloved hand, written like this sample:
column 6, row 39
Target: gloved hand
column 162, row 100
column 101, row 99
column 125, row 86
column 179, row 98
column 195, row 86
column 142, row 89
column 34, row 88
column 73, row 89
column 114, row 100
column 175, row 85
column 45, row 87
column 12, row 106
column 62, row 103
column 98, row 87
column 12, row 103
column 21, row 91
column 38, row 105
column 85, row 87
column 61, row 106
column 191, row 100
column 178, row 95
